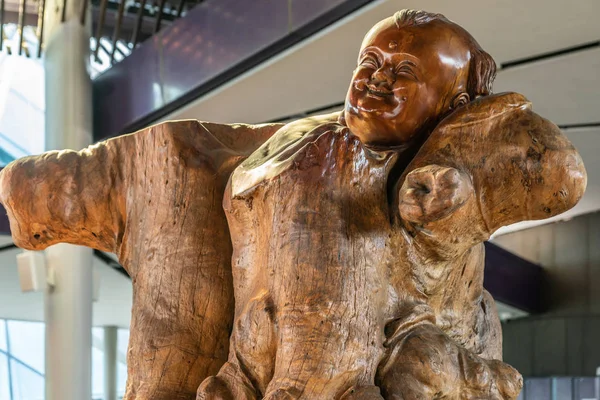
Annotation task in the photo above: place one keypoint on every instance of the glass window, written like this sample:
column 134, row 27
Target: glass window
column 22, row 107
column 586, row 388
column 562, row 388
column 123, row 341
column 538, row 389
column 27, row 384
column 97, row 363
column 22, row 370
column 4, row 382
column 3, row 335
column 122, row 344
column 121, row 379
column 97, row 373
column 27, row 343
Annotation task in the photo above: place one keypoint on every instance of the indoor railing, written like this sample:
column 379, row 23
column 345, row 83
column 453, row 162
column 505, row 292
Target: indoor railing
column 118, row 26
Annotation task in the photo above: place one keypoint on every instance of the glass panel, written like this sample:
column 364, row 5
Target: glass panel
column 122, row 343
column 4, row 382
column 26, row 383
column 562, row 388
column 27, row 343
column 97, row 363
column 21, row 107
column 98, row 334
column 122, row 340
column 585, row 388
column 538, row 389
column 97, row 373
column 121, row 379
column 2, row 335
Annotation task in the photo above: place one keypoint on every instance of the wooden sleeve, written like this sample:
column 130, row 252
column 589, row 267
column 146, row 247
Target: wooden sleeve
column 67, row 197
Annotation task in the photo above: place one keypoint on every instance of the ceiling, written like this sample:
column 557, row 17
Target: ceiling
column 315, row 73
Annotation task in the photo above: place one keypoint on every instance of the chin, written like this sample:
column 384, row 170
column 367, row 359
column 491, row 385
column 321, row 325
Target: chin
column 361, row 126
column 367, row 133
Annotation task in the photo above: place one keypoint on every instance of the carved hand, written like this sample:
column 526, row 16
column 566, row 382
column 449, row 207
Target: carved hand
column 433, row 192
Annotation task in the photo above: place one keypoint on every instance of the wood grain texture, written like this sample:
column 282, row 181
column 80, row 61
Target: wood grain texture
column 345, row 270
column 154, row 198
column 344, row 277
column 356, row 255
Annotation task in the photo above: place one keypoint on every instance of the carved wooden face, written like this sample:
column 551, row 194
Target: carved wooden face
column 406, row 79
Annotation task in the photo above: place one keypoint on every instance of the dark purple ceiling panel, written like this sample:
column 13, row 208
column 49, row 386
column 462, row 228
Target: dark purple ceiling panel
column 306, row 11
column 127, row 91
column 513, row 280
column 217, row 35
column 213, row 43
column 4, row 224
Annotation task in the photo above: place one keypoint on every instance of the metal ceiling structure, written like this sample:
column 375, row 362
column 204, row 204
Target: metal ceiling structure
column 118, row 26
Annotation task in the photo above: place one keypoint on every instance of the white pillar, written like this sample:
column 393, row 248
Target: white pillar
column 68, row 316
column 68, row 305
column 110, row 363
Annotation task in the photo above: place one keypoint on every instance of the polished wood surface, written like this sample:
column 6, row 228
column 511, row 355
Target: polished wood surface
column 352, row 242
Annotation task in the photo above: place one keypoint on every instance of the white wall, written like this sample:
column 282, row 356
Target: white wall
column 112, row 308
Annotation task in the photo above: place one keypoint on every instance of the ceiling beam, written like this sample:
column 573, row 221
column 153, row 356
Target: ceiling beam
column 549, row 55
column 513, row 280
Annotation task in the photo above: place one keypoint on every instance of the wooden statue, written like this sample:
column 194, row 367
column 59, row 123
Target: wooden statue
column 351, row 242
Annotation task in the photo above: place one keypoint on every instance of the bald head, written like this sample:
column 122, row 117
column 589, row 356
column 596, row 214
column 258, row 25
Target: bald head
column 413, row 69
column 482, row 69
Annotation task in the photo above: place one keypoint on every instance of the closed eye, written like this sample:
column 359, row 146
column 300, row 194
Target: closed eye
column 406, row 70
column 369, row 62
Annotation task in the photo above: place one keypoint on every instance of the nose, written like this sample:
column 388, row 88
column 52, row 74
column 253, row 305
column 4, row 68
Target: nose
column 383, row 75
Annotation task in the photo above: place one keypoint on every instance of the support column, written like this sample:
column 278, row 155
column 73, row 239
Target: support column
column 68, row 305
column 110, row 363
column 68, row 317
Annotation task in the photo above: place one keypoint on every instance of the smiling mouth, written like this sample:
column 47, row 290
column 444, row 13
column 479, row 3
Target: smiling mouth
column 379, row 93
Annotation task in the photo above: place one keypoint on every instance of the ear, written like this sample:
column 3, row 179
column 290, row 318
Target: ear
column 342, row 118
column 460, row 99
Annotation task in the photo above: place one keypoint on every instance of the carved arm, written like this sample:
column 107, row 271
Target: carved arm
column 67, row 196
column 80, row 197
column 493, row 163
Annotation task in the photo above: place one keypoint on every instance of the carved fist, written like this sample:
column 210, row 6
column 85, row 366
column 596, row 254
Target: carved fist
column 431, row 193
